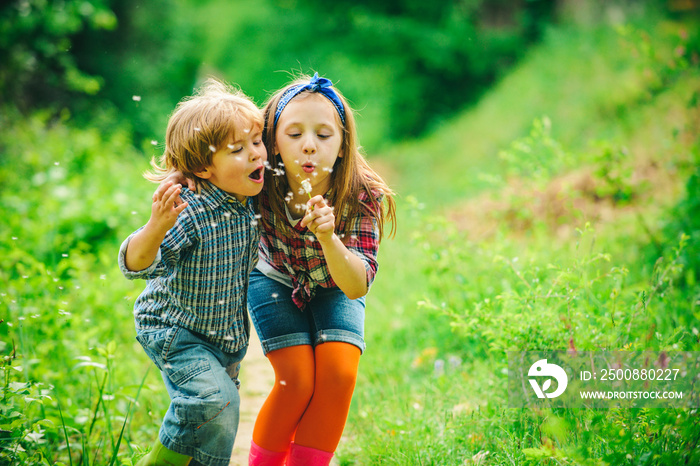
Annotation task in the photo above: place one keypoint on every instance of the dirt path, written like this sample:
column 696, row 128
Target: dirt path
column 256, row 378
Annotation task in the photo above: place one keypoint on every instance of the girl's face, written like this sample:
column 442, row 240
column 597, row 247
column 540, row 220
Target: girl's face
column 308, row 139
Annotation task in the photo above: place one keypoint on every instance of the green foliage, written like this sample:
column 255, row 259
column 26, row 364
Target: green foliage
column 69, row 393
column 36, row 39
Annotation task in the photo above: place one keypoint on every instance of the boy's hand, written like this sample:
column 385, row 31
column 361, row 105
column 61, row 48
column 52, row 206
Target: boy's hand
column 166, row 206
column 319, row 218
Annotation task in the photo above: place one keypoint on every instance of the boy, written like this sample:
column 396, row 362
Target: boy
column 197, row 251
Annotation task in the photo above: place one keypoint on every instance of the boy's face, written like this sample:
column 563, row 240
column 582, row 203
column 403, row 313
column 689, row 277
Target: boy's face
column 238, row 166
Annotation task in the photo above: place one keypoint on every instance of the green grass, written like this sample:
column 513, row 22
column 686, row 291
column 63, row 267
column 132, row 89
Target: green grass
column 432, row 387
column 448, row 301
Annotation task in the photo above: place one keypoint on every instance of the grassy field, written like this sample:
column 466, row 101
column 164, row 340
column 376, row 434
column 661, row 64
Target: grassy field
column 570, row 179
column 570, row 167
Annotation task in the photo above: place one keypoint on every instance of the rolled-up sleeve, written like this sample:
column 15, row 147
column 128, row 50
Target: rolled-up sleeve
column 146, row 273
column 364, row 243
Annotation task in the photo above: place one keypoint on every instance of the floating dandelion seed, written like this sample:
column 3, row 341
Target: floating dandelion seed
column 212, row 148
column 258, row 216
column 254, row 223
column 228, row 338
column 214, row 225
column 246, row 130
column 64, row 255
column 133, row 212
column 136, row 98
column 167, row 365
column 221, row 301
column 57, row 163
column 197, row 128
column 154, row 142
column 274, row 295
column 283, row 382
column 267, row 165
column 230, row 146
column 212, row 332
column 14, row 238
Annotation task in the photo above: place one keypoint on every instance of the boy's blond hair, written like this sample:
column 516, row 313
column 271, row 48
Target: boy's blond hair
column 202, row 124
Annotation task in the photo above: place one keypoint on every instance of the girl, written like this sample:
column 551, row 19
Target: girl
column 323, row 211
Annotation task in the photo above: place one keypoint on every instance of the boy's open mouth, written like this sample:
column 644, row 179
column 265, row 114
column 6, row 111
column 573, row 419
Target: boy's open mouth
column 257, row 175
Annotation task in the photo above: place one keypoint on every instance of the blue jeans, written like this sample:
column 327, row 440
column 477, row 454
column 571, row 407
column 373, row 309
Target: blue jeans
column 330, row 316
column 202, row 382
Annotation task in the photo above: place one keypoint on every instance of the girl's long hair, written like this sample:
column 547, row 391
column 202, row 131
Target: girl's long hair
column 350, row 176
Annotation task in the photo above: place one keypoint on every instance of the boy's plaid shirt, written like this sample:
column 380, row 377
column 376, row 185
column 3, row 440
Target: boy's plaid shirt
column 199, row 279
column 299, row 255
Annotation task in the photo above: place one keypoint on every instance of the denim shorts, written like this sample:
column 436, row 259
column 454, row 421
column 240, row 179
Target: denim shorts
column 330, row 316
column 202, row 382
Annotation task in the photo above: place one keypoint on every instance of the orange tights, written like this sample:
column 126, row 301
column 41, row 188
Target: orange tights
column 310, row 401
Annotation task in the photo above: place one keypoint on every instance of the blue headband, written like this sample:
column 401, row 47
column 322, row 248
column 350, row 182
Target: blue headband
column 319, row 85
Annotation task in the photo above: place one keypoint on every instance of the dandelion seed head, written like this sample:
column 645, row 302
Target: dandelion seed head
column 306, row 185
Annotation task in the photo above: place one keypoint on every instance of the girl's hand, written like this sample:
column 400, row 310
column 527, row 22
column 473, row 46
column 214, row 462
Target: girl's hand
column 177, row 177
column 319, row 218
column 166, row 206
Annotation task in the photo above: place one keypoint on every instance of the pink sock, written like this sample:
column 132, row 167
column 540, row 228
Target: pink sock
column 307, row 456
column 261, row 457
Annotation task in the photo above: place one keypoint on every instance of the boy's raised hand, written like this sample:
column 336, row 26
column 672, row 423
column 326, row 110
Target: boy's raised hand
column 319, row 218
column 166, row 206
